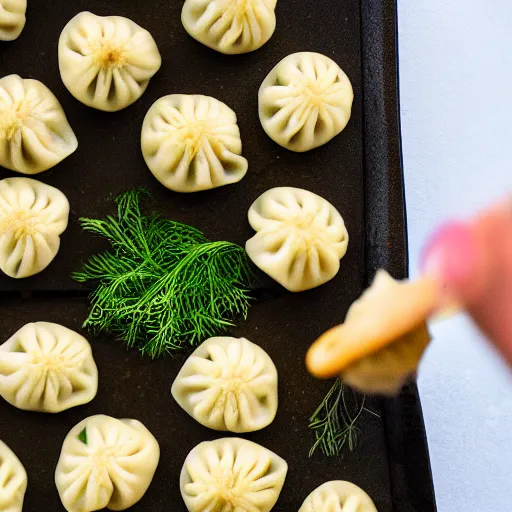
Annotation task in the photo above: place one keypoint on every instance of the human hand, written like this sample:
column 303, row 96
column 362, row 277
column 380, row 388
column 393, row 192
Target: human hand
column 473, row 262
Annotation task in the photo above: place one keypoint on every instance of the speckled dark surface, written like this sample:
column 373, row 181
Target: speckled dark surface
column 108, row 161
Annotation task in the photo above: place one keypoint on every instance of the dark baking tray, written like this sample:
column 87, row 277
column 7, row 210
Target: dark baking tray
column 359, row 172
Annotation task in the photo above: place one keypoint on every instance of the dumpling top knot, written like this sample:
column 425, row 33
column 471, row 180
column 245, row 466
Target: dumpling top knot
column 192, row 143
column 106, row 62
column 12, row 18
column 230, row 26
column 300, row 237
column 34, row 132
column 33, row 215
column 305, row 101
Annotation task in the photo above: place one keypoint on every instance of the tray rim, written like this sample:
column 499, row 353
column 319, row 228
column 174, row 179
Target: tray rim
column 412, row 487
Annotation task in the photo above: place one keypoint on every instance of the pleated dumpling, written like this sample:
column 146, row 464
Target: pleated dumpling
column 107, row 62
column 300, row 237
column 228, row 384
column 106, row 463
column 32, row 218
column 232, row 474
column 230, row 26
column 192, row 143
column 12, row 18
column 305, row 101
column 47, row 367
column 13, row 481
column 34, row 132
column 380, row 344
column 338, row 496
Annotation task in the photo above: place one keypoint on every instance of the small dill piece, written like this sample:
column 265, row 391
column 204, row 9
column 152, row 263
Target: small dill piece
column 335, row 421
column 83, row 436
column 162, row 285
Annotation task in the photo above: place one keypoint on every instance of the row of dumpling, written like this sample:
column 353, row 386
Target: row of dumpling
column 228, row 27
column 300, row 237
column 189, row 142
column 110, row 463
column 227, row 384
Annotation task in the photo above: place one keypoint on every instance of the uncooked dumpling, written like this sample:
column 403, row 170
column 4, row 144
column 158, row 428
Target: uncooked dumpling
column 34, row 132
column 192, row 143
column 232, row 474
column 338, row 496
column 230, row 26
column 13, row 481
column 384, row 336
column 47, row 367
column 106, row 463
column 12, row 18
column 106, row 62
column 228, row 384
column 305, row 101
column 300, row 237
column 32, row 218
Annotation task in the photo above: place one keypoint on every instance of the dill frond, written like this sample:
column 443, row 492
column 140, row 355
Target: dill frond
column 162, row 285
column 335, row 421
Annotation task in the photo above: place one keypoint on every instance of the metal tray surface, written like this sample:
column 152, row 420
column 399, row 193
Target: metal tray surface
column 359, row 172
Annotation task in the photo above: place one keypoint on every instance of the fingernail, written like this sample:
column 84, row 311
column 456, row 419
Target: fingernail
column 451, row 255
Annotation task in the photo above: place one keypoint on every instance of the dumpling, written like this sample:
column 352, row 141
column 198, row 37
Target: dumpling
column 34, row 132
column 338, row 496
column 13, row 481
column 232, row 474
column 106, row 463
column 230, row 26
column 192, row 143
column 228, row 384
column 305, row 101
column 32, row 218
column 47, row 367
column 12, row 18
column 300, row 237
column 106, row 62
column 383, row 338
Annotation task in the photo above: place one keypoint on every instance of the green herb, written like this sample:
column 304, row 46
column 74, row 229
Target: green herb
column 335, row 420
column 163, row 285
column 83, row 436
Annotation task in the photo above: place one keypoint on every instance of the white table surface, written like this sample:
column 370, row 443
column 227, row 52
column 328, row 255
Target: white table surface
column 456, row 107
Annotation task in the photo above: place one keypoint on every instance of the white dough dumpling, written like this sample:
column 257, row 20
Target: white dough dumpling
column 338, row 496
column 107, row 62
column 300, row 237
column 33, row 215
column 192, row 143
column 232, row 474
column 12, row 18
column 34, row 132
column 380, row 345
column 13, row 481
column 47, row 367
column 106, row 463
column 228, row 384
column 230, row 26
column 305, row 101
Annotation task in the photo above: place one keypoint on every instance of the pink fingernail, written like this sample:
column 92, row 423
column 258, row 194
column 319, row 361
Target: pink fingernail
column 451, row 254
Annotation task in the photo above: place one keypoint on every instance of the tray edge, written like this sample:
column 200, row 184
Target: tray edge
column 386, row 240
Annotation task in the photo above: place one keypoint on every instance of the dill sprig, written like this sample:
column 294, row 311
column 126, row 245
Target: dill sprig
column 335, row 421
column 162, row 285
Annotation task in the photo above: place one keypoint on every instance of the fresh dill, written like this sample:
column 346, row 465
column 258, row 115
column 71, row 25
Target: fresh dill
column 162, row 285
column 335, row 421
column 83, row 436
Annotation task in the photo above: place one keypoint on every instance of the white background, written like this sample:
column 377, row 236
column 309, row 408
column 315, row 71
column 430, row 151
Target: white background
column 456, row 94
